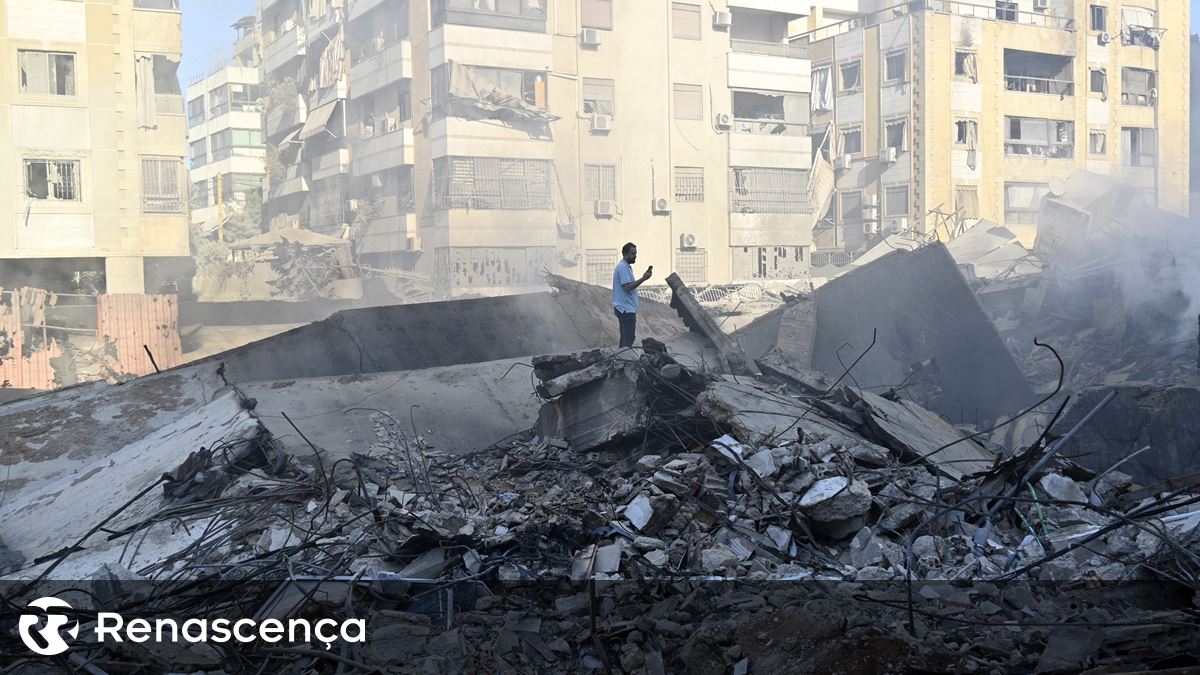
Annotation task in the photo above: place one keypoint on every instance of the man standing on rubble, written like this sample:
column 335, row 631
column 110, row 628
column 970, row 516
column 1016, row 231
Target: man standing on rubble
column 625, row 296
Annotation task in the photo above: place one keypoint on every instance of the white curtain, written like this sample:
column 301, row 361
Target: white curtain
column 822, row 89
column 143, row 73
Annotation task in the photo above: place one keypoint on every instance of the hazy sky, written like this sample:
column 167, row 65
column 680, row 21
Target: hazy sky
column 207, row 35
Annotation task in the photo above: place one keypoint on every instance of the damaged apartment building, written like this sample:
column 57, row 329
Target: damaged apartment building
column 92, row 131
column 480, row 142
column 942, row 110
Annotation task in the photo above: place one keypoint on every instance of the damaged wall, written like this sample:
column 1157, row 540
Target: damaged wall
column 923, row 309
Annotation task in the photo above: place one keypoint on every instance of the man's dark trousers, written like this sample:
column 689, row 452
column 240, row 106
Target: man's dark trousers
column 628, row 322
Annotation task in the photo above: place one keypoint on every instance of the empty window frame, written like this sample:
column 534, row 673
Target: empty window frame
column 1022, row 201
column 1098, row 18
column 768, row 190
column 1006, row 11
column 895, row 134
column 851, row 141
column 493, row 183
column 1139, row 87
column 851, row 76
column 162, row 185
column 966, row 132
column 689, row 184
column 599, row 182
column 1097, row 142
column 895, row 66
column 692, row 265
column 598, row 96
column 851, row 203
column 1139, row 147
column 966, row 65
column 895, row 201
column 1036, row 137
column 685, row 21
column 46, row 73
column 53, row 180
column 596, row 14
column 1098, row 82
column 688, row 101
column 526, row 85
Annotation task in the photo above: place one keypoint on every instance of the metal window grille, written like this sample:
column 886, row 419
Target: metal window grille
column 692, row 266
column 599, row 182
column 493, row 183
column 162, row 185
column 52, row 179
column 768, row 190
column 689, row 184
column 600, row 263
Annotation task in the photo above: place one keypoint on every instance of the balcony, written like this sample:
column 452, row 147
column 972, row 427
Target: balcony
column 331, row 164
column 770, row 143
column 362, row 7
column 1038, row 73
column 769, row 73
column 1039, row 85
column 284, row 118
column 1008, row 14
column 378, row 153
column 383, row 68
column 517, row 15
column 286, row 47
column 783, row 49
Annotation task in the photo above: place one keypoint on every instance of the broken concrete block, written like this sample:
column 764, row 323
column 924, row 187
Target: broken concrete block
column 927, row 547
column 865, row 549
column 870, row 455
column 638, row 512
column 668, row 483
column 428, row 565
column 648, row 463
column 762, row 463
column 780, row 537
column 648, row 543
column 657, row 558
column 1061, row 488
column 836, row 498
column 718, row 557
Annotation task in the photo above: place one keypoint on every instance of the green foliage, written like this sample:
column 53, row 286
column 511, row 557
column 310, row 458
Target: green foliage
column 303, row 271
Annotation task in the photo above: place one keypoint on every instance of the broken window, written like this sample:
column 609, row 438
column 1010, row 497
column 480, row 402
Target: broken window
column 1038, row 73
column 47, row 73
column 598, row 96
column 1034, row 137
column 966, row 132
column 156, row 82
column 1006, row 11
column 1098, row 18
column 596, row 14
column 54, row 180
column 966, row 65
column 692, row 265
column 851, row 205
column 493, row 183
column 895, row 201
column 162, row 185
column 1098, row 82
column 1139, row 87
column 822, row 88
column 851, row 72
column 767, row 190
column 599, row 182
column 1097, row 142
column 689, row 184
column 518, row 98
column 1022, row 201
column 526, row 85
column 769, row 112
column 1138, row 27
column 685, row 21
column 895, row 67
column 851, row 140
column 966, row 201
column 896, row 134
column 1139, row 146
column 688, row 101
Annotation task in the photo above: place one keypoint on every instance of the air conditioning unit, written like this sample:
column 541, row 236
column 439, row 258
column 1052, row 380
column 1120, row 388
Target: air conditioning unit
column 688, row 241
column 602, row 123
column 605, row 208
column 889, row 155
column 589, row 37
column 843, row 162
column 870, row 228
column 722, row 20
column 661, row 206
column 723, row 121
column 412, row 244
column 1104, row 38
column 1041, row 4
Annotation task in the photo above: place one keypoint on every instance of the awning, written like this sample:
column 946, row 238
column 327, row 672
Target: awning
column 290, row 235
column 318, row 120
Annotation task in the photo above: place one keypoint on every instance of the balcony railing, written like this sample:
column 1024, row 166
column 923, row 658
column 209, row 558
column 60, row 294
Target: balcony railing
column 1139, row 98
column 769, row 48
column 1039, row 149
column 989, row 12
column 524, row 16
column 1039, row 85
column 768, row 127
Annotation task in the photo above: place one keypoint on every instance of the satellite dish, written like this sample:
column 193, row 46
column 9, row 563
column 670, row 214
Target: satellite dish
column 1058, row 186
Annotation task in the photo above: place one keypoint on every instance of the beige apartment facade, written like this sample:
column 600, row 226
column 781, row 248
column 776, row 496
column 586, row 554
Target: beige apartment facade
column 491, row 141
column 941, row 109
column 92, row 138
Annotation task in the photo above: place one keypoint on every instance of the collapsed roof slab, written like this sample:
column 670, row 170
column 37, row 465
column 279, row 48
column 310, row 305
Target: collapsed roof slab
column 923, row 309
column 456, row 408
column 434, row 334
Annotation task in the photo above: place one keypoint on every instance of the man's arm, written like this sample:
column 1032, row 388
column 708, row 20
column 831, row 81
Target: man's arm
column 630, row 285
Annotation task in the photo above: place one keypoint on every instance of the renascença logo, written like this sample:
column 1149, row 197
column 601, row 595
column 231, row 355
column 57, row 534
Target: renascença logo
column 47, row 640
